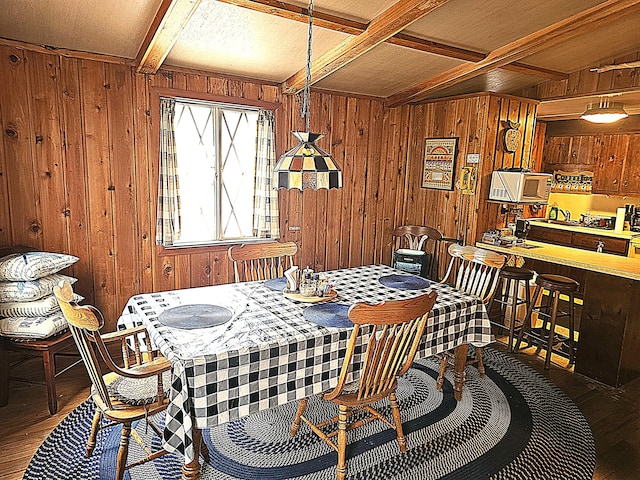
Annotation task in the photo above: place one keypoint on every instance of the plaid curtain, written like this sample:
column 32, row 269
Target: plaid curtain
column 168, row 215
column 265, row 195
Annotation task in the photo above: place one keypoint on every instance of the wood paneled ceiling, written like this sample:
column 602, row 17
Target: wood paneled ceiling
column 400, row 50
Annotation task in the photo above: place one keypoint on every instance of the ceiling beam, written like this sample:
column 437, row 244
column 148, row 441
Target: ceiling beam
column 171, row 18
column 352, row 27
column 533, row 43
column 388, row 23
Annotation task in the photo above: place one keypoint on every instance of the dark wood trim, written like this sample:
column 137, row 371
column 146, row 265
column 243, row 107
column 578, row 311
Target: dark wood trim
column 64, row 52
column 158, row 92
column 212, row 248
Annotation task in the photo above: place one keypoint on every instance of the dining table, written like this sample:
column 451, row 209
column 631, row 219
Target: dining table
column 237, row 349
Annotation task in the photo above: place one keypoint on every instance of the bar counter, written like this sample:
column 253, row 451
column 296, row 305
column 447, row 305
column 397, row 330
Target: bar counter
column 609, row 339
column 616, row 265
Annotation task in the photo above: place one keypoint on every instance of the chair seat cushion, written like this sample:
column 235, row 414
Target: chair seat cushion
column 19, row 267
column 137, row 391
column 27, row 291
column 33, row 328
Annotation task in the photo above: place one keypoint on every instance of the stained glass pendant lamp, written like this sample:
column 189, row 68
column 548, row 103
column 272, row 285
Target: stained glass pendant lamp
column 306, row 166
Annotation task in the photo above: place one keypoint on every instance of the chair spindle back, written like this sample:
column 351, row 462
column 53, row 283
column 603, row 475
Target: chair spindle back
column 474, row 271
column 83, row 322
column 261, row 261
column 397, row 327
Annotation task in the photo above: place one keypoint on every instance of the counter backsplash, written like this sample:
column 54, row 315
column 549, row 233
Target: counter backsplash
column 605, row 205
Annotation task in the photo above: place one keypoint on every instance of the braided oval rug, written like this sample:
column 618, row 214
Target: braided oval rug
column 510, row 424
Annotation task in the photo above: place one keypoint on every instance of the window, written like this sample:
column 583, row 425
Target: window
column 213, row 183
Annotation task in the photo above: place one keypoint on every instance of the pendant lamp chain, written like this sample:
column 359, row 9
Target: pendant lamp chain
column 306, row 166
column 304, row 105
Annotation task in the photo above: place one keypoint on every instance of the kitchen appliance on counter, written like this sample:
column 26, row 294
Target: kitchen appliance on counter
column 522, row 228
column 520, row 186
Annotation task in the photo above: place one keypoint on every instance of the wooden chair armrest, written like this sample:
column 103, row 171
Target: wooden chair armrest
column 156, row 367
column 119, row 334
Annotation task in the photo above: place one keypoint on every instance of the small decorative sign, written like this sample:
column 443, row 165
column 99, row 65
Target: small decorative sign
column 468, row 178
column 473, row 158
column 571, row 182
column 439, row 162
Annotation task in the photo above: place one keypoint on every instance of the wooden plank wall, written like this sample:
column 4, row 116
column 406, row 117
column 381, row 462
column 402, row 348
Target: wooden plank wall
column 576, row 145
column 478, row 122
column 586, row 82
column 78, row 171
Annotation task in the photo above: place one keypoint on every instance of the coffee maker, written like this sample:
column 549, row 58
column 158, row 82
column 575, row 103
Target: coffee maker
column 522, row 228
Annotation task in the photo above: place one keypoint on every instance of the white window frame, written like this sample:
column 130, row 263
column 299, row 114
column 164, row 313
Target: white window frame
column 224, row 101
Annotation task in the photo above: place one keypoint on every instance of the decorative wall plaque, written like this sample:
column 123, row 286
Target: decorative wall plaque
column 512, row 136
column 571, row 182
column 439, row 161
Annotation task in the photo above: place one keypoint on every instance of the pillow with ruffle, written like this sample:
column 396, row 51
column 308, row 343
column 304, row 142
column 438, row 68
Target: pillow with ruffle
column 38, row 308
column 33, row 328
column 20, row 267
column 28, row 291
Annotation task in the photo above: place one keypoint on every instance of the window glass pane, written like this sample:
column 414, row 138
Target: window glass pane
column 237, row 155
column 196, row 154
column 215, row 149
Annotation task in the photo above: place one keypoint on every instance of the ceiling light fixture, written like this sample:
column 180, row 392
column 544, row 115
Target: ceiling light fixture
column 306, row 166
column 604, row 112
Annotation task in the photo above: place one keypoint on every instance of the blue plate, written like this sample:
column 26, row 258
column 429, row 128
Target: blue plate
column 277, row 284
column 404, row 282
column 329, row 315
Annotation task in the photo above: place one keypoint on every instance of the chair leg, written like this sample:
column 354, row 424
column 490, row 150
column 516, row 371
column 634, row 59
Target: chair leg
column 49, row 361
column 123, row 451
column 443, row 367
column 295, row 426
column 572, row 327
column 479, row 359
column 527, row 323
column 552, row 329
column 4, row 374
column 395, row 411
column 341, row 468
column 95, row 427
column 204, row 451
column 514, row 308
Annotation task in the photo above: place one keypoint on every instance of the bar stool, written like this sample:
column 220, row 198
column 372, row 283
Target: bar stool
column 548, row 311
column 511, row 278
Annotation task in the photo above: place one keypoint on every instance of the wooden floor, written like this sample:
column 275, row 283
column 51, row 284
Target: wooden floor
column 614, row 416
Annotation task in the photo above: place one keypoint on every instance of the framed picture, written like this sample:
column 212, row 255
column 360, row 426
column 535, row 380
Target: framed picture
column 439, row 163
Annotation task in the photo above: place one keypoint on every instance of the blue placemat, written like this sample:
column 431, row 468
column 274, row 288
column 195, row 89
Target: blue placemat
column 277, row 284
column 404, row 282
column 329, row 315
column 195, row 316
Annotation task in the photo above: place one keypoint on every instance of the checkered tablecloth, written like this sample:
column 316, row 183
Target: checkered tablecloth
column 269, row 354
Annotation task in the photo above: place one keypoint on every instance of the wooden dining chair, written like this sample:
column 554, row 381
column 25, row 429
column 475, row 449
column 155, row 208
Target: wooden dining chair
column 261, row 261
column 396, row 328
column 132, row 391
column 476, row 272
column 427, row 239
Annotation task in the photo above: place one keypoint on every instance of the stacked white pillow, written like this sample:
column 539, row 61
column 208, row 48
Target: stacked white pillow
column 28, row 308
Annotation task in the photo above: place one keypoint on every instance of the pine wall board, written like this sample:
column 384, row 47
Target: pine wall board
column 79, row 170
